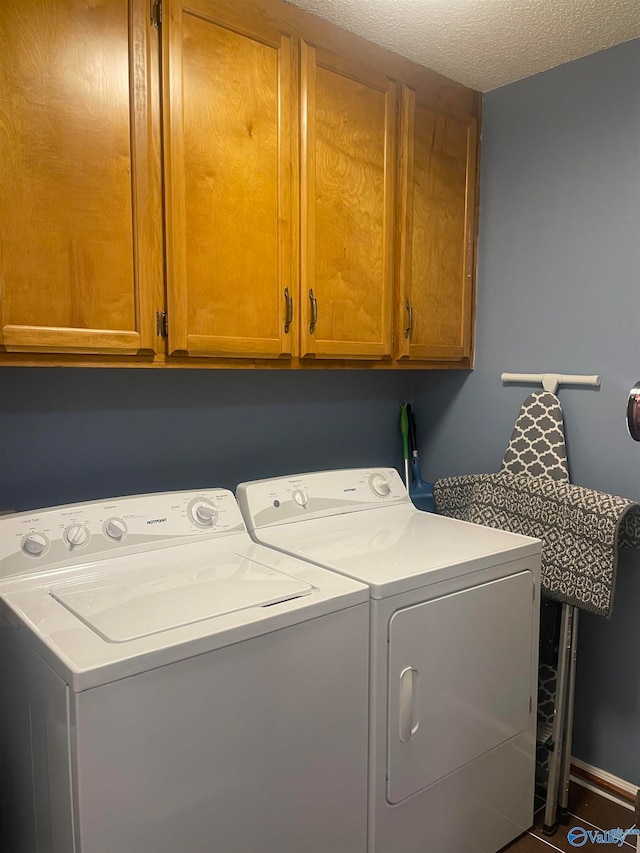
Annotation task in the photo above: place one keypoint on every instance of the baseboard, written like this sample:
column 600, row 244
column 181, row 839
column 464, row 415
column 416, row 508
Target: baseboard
column 604, row 783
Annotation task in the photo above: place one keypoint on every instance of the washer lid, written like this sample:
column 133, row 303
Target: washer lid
column 144, row 602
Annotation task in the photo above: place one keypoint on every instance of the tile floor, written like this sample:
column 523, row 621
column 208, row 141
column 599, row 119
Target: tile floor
column 587, row 810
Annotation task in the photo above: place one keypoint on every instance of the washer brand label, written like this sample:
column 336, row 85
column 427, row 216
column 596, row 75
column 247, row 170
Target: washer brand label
column 349, row 490
column 156, row 521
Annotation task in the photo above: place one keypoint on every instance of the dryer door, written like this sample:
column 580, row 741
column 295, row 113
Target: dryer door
column 459, row 680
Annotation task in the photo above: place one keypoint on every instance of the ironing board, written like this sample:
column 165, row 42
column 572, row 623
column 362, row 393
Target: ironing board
column 580, row 530
column 537, row 447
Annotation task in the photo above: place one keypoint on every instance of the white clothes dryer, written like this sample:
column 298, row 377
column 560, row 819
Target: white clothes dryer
column 169, row 686
column 453, row 653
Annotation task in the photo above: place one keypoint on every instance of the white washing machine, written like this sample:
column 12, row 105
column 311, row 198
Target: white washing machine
column 169, row 686
column 453, row 653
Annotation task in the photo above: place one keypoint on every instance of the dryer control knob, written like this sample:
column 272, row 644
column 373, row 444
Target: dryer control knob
column 76, row 535
column 204, row 513
column 300, row 497
column 379, row 485
column 115, row 529
column 34, row 544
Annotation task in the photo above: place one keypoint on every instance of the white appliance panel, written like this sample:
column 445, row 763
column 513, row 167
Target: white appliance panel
column 397, row 549
column 479, row 807
column 259, row 747
column 172, row 685
column 142, row 603
column 77, row 534
column 84, row 658
column 454, row 612
column 35, row 772
column 459, row 674
column 287, row 500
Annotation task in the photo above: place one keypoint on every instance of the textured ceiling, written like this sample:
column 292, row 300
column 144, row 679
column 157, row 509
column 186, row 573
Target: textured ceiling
column 486, row 43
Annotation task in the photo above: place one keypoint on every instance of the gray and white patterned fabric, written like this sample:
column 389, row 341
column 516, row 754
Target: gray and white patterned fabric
column 547, row 682
column 580, row 528
column 630, row 531
column 537, row 446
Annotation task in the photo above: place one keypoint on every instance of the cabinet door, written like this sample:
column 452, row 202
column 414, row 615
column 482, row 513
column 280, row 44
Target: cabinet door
column 434, row 309
column 80, row 213
column 229, row 162
column 347, row 197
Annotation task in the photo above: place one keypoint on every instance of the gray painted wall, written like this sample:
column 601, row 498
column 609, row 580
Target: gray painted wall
column 70, row 435
column 559, row 291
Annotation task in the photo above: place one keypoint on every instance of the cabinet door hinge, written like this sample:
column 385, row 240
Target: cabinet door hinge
column 156, row 13
column 162, row 324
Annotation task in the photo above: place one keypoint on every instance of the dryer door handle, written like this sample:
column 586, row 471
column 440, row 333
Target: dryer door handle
column 408, row 710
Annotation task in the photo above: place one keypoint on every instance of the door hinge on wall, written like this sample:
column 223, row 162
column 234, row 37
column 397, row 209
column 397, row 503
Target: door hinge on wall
column 156, row 13
column 162, row 324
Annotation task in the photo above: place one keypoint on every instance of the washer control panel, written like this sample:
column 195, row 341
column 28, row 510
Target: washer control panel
column 74, row 533
column 318, row 494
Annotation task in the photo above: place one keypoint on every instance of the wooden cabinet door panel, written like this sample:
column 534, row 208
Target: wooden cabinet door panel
column 347, row 161
column 80, row 242
column 437, row 233
column 229, row 168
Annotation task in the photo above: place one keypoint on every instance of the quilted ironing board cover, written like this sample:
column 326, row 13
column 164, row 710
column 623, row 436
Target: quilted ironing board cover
column 581, row 529
column 537, row 445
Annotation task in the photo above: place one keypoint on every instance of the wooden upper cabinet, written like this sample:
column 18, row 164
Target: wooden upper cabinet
column 347, row 208
column 229, row 164
column 317, row 192
column 80, row 223
column 434, row 310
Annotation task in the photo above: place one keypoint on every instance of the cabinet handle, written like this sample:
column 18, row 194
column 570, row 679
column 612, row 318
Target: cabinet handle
column 314, row 312
column 156, row 13
column 407, row 331
column 288, row 317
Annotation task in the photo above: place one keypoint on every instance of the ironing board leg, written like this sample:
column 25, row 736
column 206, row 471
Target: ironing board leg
column 550, row 812
column 563, row 798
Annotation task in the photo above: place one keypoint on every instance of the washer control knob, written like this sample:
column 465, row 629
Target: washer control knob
column 204, row 513
column 300, row 497
column 379, row 485
column 34, row 544
column 115, row 529
column 76, row 535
